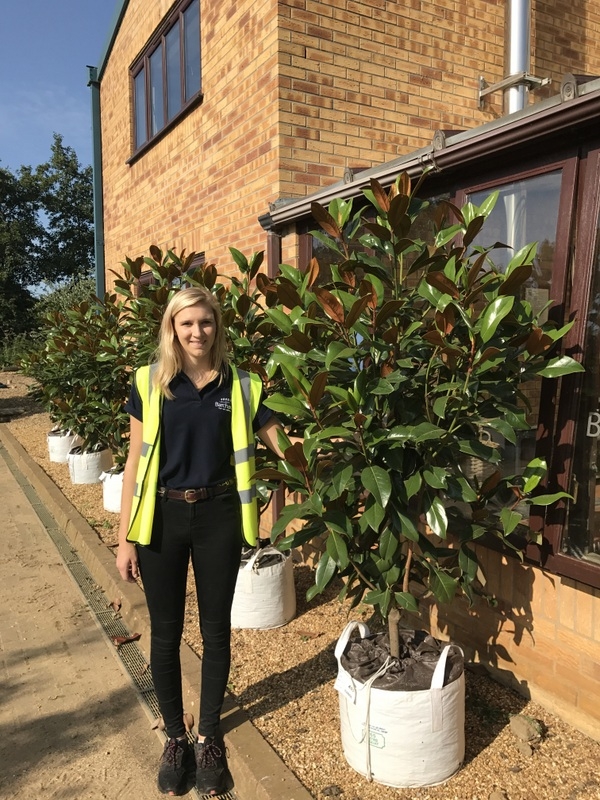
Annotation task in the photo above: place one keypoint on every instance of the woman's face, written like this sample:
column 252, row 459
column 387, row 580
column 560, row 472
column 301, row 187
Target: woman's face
column 195, row 330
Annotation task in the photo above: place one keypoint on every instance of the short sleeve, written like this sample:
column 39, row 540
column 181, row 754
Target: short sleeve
column 134, row 405
column 263, row 414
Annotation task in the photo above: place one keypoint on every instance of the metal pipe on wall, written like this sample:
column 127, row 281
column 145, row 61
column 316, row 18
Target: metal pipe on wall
column 94, row 85
column 517, row 52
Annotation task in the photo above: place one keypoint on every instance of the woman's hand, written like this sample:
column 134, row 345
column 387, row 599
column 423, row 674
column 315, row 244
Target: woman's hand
column 127, row 562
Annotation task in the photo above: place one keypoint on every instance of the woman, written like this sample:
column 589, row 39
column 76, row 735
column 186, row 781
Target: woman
column 188, row 491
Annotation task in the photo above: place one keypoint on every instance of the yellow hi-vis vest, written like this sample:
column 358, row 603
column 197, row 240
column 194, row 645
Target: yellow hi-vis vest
column 246, row 391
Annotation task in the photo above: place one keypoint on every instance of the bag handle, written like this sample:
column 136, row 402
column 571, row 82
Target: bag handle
column 437, row 680
column 269, row 550
column 345, row 636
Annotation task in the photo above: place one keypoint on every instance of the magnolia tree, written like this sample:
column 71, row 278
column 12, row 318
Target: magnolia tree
column 395, row 368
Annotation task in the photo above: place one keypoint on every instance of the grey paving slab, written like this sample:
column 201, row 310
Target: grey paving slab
column 71, row 725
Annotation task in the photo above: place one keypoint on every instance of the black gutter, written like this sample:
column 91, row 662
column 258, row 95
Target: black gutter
column 97, row 183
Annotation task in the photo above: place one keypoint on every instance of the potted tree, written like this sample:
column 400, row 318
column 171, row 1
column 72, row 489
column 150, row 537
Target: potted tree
column 404, row 366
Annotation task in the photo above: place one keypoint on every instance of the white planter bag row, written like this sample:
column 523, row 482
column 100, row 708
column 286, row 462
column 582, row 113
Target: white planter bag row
column 87, row 467
column 60, row 442
column 112, row 489
column 401, row 738
column 265, row 596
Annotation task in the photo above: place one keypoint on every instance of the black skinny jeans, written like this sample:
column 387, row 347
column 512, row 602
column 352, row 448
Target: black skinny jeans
column 211, row 532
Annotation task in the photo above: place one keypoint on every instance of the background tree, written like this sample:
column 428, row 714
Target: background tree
column 46, row 232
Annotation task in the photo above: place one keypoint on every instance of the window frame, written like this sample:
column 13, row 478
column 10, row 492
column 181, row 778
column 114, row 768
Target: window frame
column 157, row 41
column 583, row 246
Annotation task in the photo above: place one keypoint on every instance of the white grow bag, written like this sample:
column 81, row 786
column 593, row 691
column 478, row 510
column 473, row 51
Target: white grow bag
column 401, row 739
column 265, row 596
column 60, row 442
column 87, row 467
column 112, row 489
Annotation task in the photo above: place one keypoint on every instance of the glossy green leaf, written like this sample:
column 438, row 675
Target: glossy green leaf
column 467, row 561
column 337, row 549
column 510, row 520
column 493, row 316
column 326, row 569
column 413, row 484
column 407, row 601
column 372, row 516
column 436, row 477
column 443, row 586
column 436, row 517
column 378, row 482
column 388, row 545
column 337, row 350
column 341, row 478
column 563, row 365
column 549, row 499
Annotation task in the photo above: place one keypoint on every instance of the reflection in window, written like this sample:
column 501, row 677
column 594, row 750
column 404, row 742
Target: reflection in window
column 191, row 50
column 157, row 116
column 526, row 211
column 582, row 539
column 167, row 77
column 141, row 133
column 173, row 72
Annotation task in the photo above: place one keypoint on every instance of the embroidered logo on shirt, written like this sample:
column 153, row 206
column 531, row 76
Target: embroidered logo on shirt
column 224, row 404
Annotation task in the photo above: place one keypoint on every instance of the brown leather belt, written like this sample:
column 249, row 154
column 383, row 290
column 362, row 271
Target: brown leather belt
column 193, row 495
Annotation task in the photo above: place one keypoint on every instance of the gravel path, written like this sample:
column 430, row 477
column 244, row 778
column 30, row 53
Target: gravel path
column 284, row 680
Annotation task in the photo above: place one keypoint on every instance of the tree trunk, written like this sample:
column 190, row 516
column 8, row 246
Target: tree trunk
column 393, row 620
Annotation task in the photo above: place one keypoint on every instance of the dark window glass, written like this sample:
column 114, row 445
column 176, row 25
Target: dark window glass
column 157, row 112
column 173, row 77
column 526, row 211
column 191, row 34
column 172, row 45
column 582, row 539
column 140, row 108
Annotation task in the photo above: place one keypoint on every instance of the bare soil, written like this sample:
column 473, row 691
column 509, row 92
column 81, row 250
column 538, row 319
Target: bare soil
column 284, row 678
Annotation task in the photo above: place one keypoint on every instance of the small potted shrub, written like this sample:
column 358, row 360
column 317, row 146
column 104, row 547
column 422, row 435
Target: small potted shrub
column 404, row 367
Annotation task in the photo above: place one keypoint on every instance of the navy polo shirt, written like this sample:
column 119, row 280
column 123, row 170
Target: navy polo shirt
column 196, row 446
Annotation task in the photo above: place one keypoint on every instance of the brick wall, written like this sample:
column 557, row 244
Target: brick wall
column 202, row 186
column 542, row 638
column 364, row 82
column 295, row 91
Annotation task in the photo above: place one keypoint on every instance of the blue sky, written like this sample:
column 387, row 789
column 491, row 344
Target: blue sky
column 45, row 46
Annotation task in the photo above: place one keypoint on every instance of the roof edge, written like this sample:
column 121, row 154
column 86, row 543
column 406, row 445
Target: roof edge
column 118, row 15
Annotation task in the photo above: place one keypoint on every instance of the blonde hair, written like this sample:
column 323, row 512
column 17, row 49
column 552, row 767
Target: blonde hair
column 169, row 356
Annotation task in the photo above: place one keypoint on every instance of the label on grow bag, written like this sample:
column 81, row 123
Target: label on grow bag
column 377, row 738
column 345, row 685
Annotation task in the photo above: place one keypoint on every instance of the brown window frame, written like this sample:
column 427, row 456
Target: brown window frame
column 583, row 246
column 174, row 18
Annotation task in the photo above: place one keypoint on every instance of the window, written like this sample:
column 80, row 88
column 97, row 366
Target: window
column 526, row 211
column 167, row 76
column 582, row 537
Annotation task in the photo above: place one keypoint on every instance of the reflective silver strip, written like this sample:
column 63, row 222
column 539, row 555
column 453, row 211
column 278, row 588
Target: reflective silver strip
column 146, row 447
column 138, row 490
column 247, row 495
column 243, row 455
column 152, row 370
column 245, row 387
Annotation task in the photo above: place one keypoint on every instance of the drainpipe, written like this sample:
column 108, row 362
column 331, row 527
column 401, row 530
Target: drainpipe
column 94, row 85
column 517, row 52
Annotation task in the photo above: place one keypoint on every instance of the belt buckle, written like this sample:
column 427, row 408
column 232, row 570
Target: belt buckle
column 189, row 495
